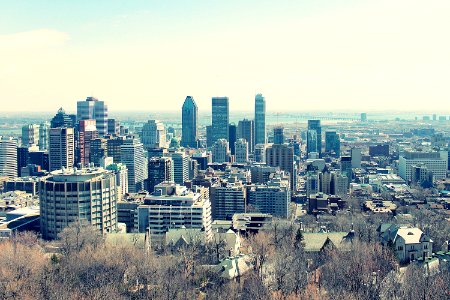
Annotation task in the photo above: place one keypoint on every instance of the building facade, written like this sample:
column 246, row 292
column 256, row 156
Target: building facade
column 189, row 120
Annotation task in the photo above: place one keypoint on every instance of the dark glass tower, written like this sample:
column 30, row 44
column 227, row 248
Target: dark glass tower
column 332, row 143
column 189, row 120
column 260, row 119
column 220, row 118
column 315, row 125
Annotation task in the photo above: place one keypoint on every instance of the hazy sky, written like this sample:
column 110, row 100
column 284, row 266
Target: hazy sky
column 302, row 55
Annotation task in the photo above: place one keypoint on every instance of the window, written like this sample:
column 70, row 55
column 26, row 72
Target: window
column 400, row 248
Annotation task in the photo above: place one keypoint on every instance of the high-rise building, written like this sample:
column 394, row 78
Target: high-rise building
column 228, row 198
column 172, row 206
column 272, row 198
column 209, row 137
column 311, row 142
column 68, row 196
column 220, row 151
column 315, row 125
column 189, row 120
column 246, row 130
column 232, row 133
column 44, row 130
column 114, row 150
column 8, row 158
column 160, row 169
column 433, row 161
column 132, row 155
column 22, row 159
column 61, row 148
column 260, row 153
column 87, row 131
column 121, row 173
column 98, row 150
column 282, row 156
column 339, row 184
column 220, row 118
column 180, row 167
column 332, row 144
column 356, row 158
column 39, row 158
column 61, row 119
column 154, row 135
column 94, row 109
column 346, row 167
column 312, row 183
column 241, row 151
column 278, row 135
column 113, row 127
column 30, row 135
column 260, row 119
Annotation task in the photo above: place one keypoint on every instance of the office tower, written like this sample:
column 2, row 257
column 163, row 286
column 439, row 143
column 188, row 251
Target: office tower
column 132, row 155
column 203, row 159
column 39, row 158
column 278, row 135
column 272, row 198
column 311, row 142
column 282, row 156
column 157, row 152
column 260, row 153
column 356, row 158
column 180, row 167
column 98, row 150
column 153, row 135
column 8, row 158
column 121, row 173
column 193, row 168
column 261, row 173
column 220, row 151
column 220, row 118
column 94, row 109
column 432, row 160
column 312, row 183
column 260, row 119
column 87, row 131
column 189, row 120
column 332, row 144
column 346, row 167
column 325, row 181
column 62, row 148
column 175, row 207
column 30, row 135
column 379, row 150
column 246, row 130
column 241, row 150
column 44, row 129
column 61, row 119
column 22, row 159
column 68, row 196
column 160, row 169
column 339, row 184
column 363, row 117
column 315, row 125
column 232, row 132
column 114, row 150
column 209, row 137
column 113, row 127
column 227, row 198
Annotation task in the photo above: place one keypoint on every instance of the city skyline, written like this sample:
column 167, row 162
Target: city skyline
column 301, row 56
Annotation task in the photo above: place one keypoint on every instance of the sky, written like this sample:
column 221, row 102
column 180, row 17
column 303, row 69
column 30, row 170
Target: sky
column 331, row 55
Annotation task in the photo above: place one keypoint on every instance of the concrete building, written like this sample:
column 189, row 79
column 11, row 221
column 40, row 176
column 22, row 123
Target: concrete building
column 259, row 155
column 282, row 156
column 61, row 148
column 8, row 158
column 220, row 118
column 154, row 135
column 189, row 123
column 246, row 130
column 87, row 131
column 113, row 127
column 94, row 109
column 241, row 151
column 346, row 167
column 132, row 155
column 278, row 135
column 30, row 135
column 180, row 163
column 70, row 195
column 227, row 198
column 121, row 172
column 356, row 158
column 98, row 150
column 260, row 119
column 173, row 206
column 160, row 169
column 220, row 151
column 432, row 160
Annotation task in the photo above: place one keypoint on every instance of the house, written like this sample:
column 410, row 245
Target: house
column 322, row 241
column 409, row 243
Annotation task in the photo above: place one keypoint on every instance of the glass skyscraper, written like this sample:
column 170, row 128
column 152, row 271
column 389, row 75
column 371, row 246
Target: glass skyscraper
column 189, row 120
column 220, row 118
column 260, row 119
column 315, row 125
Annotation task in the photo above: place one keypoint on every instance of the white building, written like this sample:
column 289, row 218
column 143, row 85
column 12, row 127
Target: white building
column 154, row 135
column 241, row 151
column 432, row 160
column 30, row 135
column 132, row 155
column 8, row 158
column 61, row 148
column 121, row 172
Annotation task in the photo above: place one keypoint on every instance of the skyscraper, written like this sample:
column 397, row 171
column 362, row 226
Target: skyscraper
column 260, row 119
column 30, row 135
column 332, row 143
column 232, row 133
column 132, row 155
column 44, row 129
column 96, row 110
column 62, row 148
column 220, row 151
column 189, row 120
column 246, row 130
column 278, row 135
column 180, row 163
column 315, row 125
column 160, row 169
column 153, row 135
column 8, row 158
column 282, row 155
column 87, row 132
column 356, row 157
column 61, row 119
column 220, row 118
column 241, row 149
column 311, row 141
